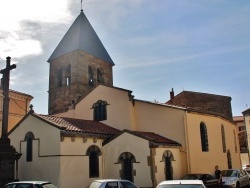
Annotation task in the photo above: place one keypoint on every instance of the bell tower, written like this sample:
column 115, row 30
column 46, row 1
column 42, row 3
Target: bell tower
column 78, row 64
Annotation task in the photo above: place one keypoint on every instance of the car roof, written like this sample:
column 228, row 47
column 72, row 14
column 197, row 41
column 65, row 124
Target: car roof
column 30, row 182
column 106, row 180
column 181, row 182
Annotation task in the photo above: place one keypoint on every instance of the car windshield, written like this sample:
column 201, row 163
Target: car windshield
column 229, row 173
column 30, row 185
column 126, row 184
column 95, row 184
column 191, row 177
column 181, row 186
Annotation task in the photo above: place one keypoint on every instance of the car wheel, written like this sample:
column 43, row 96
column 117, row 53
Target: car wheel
column 237, row 185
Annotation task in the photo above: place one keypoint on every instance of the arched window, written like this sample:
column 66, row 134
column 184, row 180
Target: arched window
column 127, row 159
column 91, row 76
column 68, row 75
column 59, row 78
column 229, row 160
column 204, row 137
column 100, row 75
column 168, row 158
column 100, row 110
column 223, row 138
column 235, row 142
column 29, row 137
column 93, row 152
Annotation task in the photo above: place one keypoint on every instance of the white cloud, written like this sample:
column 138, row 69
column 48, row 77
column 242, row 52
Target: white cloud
column 13, row 41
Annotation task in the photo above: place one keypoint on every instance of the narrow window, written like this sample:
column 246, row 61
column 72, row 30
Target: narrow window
column 59, row 78
column 100, row 75
column 68, row 75
column 93, row 152
column 100, row 110
column 223, row 139
column 168, row 158
column 235, row 142
column 204, row 137
column 91, row 76
column 229, row 160
column 127, row 159
column 29, row 137
column 68, row 81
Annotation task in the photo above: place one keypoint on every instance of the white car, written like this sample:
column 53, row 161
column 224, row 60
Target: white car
column 235, row 178
column 30, row 184
column 181, row 184
column 112, row 183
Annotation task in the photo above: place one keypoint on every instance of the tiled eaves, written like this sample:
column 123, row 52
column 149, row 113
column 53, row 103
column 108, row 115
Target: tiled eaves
column 154, row 139
column 72, row 126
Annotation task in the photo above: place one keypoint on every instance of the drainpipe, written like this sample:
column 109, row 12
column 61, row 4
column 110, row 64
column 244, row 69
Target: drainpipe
column 187, row 142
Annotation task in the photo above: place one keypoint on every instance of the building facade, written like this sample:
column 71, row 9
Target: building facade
column 95, row 130
column 19, row 104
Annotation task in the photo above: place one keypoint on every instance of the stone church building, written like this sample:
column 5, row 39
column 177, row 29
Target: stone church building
column 95, row 130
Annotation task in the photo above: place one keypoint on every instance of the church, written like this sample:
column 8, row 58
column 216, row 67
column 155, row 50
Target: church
column 95, row 130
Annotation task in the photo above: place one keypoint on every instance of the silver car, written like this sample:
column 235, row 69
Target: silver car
column 235, row 178
column 181, row 184
column 112, row 183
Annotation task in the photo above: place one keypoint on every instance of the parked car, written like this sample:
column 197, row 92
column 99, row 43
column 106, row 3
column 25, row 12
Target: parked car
column 30, row 184
column 246, row 167
column 112, row 183
column 208, row 180
column 235, row 178
column 181, row 184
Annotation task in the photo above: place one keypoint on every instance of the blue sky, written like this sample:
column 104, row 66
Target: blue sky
column 156, row 45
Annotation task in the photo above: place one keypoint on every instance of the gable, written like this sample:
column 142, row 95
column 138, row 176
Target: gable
column 44, row 133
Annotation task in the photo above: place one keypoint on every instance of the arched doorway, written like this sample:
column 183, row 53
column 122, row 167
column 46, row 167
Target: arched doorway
column 168, row 157
column 127, row 159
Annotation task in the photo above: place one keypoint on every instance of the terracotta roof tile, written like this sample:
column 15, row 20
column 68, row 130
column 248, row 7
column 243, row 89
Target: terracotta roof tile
column 156, row 138
column 80, row 125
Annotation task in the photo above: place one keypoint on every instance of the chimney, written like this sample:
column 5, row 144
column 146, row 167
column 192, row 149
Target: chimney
column 171, row 94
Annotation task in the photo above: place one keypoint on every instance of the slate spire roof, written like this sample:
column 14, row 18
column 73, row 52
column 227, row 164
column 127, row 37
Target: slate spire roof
column 81, row 36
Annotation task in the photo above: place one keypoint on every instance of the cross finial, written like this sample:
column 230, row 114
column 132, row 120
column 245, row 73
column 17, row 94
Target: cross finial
column 81, row 6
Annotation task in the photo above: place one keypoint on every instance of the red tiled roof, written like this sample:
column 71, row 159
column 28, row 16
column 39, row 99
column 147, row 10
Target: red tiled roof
column 156, row 138
column 80, row 125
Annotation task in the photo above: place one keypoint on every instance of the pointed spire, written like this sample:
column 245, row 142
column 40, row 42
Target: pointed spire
column 81, row 36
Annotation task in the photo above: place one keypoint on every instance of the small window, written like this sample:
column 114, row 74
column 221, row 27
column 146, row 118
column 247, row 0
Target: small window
column 68, row 75
column 59, row 78
column 235, row 142
column 223, row 139
column 100, row 75
column 29, row 137
column 204, row 137
column 93, row 152
column 91, row 76
column 100, row 110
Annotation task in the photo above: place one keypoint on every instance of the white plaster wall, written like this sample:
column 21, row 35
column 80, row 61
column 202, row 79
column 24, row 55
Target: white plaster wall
column 247, row 123
column 135, row 145
column 75, row 163
column 119, row 110
column 176, row 164
column 244, row 158
column 163, row 120
column 204, row 162
column 46, row 148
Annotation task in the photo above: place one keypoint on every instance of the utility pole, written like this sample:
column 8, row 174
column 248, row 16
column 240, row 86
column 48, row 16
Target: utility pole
column 8, row 155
